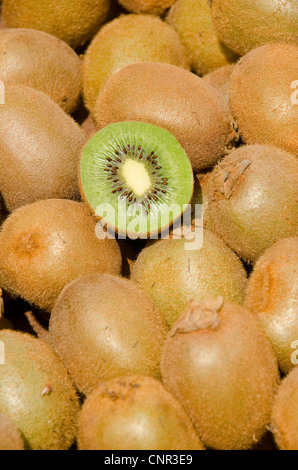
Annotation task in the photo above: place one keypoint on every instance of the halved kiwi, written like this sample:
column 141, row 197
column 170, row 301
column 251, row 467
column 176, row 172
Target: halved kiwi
column 136, row 177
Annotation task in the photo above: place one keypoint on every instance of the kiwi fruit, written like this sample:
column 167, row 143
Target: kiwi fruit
column 129, row 256
column 40, row 146
column 47, row 244
column 219, row 364
column 173, row 274
column 253, row 199
column 36, row 393
column 89, row 127
column 43, row 62
column 246, row 24
column 126, row 40
column 103, row 327
column 285, row 413
column 193, row 23
column 136, row 178
column 199, row 203
column 10, row 437
column 262, row 97
column 73, row 21
column 151, row 7
column 135, row 413
column 220, row 79
column 174, row 99
column 272, row 294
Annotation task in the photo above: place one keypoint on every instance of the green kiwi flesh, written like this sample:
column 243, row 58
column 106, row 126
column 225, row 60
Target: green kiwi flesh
column 10, row 437
column 135, row 413
column 103, row 327
column 220, row 366
column 136, row 177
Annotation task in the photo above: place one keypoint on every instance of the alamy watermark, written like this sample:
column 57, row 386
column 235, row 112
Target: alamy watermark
column 294, row 95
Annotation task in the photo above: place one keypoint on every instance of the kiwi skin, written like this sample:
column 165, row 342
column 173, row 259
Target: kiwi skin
column 43, row 62
column 40, row 385
column 39, row 152
column 192, row 21
column 127, row 40
column 73, row 21
column 151, row 7
column 110, row 418
column 45, row 245
column 103, row 327
column 220, row 79
column 252, row 199
column 176, row 100
column 219, row 364
column 261, row 96
column 272, row 295
column 285, row 413
column 10, row 437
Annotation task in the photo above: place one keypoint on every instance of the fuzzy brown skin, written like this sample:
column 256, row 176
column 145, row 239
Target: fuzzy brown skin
column 192, row 21
column 253, row 199
column 126, row 40
column 173, row 275
column 219, row 364
column 262, row 98
column 200, row 196
column 45, row 245
column 10, row 437
column 176, row 100
column 272, row 293
column 246, row 24
column 151, row 7
column 285, row 413
column 135, row 413
column 40, row 146
column 103, row 327
column 220, row 79
column 73, row 21
column 89, row 127
column 41, row 61
column 45, row 406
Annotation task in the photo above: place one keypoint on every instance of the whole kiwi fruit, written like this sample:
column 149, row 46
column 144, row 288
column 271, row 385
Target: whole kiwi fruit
column 36, row 393
column 285, row 413
column 253, row 199
column 272, row 293
column 176, row 100
column 103, row 327
column 263, row 96
column 43, row 62
column 73, row 21
column 127, row 40
column 173, row 274
column 219, row 364
column 47, row 244
column 246, row 24
column 220, row 79
column 10, row 437
column 40, row 146
column 193, row 23
column 135, row 413
column 151, row 7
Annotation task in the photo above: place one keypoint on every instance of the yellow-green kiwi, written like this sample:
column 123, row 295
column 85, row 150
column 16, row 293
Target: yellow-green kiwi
column 219, row 364
column 193, row 23
column 220, row 79
column 272, row 294
column 126, row 40
column 37, row 393
column 103, row 327
column 40, row 147
column 47, row 244
column 43, row 62
column 10, row 437
column 135, row 413
column 253, row 199
column 264, row 96
column 176, row 100
column 246, row 24
column 285, row 413
column 173, row 272
column 151, row 7
column 73, row 21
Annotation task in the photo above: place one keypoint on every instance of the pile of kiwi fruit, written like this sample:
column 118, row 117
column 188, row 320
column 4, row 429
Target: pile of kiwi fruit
column 148, row 225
